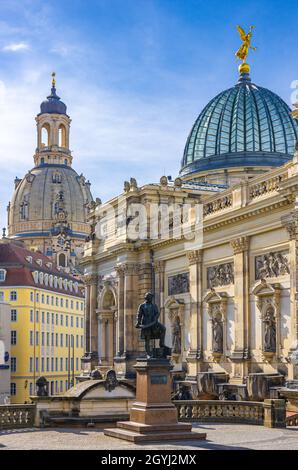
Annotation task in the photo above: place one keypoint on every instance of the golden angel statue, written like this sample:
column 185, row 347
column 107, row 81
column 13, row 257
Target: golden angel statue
column 246, row 38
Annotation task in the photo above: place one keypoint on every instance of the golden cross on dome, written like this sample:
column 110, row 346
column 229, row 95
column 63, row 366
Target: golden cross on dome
column 53, row 79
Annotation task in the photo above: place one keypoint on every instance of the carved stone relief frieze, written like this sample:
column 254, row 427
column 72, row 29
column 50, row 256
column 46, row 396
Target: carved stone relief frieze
column 178, row 284
column 272, row 264
column 220, row 275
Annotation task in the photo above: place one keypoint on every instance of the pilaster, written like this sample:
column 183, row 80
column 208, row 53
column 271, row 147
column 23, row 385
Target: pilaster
column 195, row 260
column 290, row 222
column 241, row 307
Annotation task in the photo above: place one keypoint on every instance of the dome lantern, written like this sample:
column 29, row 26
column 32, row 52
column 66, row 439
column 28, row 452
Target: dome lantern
column 53, row 126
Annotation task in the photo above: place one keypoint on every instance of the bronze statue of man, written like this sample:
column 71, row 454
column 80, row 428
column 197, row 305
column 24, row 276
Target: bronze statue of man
column 147, row 320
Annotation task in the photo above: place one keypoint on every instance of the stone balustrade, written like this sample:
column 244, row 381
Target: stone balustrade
column 218, row 204
column 266, row 186
column 245, row 412
column 292, row 420
column 17, row 416
column 259, row 186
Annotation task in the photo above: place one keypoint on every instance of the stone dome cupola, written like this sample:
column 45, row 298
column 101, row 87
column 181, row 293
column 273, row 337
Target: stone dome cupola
column 53, row 126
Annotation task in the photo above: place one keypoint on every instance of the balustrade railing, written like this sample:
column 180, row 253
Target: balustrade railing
column 292, row 420
column 17, row 416
column 220, row 411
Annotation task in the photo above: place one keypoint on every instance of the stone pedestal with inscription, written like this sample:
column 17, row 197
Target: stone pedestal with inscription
column 153, row 417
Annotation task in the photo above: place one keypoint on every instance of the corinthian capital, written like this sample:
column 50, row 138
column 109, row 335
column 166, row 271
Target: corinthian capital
column 159, row 266
column 130, row 268
column 290, row 222
column 240, row 244
column 90, row 279
column 194, row 256
column 119, row 270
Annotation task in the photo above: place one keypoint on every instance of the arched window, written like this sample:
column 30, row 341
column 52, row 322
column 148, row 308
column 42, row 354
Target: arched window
column 65, row 161
column 62, row 260
column 42, row 161
column 45, row 135
column 62, row 136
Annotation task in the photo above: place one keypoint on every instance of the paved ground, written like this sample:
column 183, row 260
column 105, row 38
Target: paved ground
column 219, row 436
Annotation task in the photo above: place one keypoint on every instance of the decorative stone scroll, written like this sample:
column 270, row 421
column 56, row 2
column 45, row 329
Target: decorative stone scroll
column 178, row 284
column 220, row 275
column 273, row 264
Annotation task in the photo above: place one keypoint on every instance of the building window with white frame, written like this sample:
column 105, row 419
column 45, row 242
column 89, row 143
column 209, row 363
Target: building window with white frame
column 13, row 315
column 13, row 337
column 13, row 296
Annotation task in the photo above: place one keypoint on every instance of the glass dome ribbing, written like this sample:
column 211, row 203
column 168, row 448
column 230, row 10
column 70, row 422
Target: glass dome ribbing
column 246, row 125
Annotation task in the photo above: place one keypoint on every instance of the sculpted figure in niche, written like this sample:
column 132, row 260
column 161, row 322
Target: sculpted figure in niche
column 269, row 331
column 176, row 336
column 217, row 334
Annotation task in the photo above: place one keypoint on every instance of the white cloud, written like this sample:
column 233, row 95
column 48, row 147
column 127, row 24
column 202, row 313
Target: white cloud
column 16, row 47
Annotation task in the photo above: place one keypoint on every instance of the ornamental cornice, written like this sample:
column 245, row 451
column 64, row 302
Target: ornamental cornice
column 240, row 244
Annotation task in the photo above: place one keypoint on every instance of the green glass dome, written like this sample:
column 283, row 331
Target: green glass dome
column 244, row 126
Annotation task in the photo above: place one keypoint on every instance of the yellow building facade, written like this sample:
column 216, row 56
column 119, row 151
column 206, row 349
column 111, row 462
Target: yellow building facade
column 47, row 322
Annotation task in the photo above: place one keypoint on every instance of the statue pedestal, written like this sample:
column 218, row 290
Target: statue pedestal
column 153, row 417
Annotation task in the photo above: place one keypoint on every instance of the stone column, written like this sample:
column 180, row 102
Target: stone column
column 291, row 224
column 131, row 334
column 93, row 315
column 87, row 315
column 241, row 308
column 120, row 316
column 159, row 267
column 195, row 259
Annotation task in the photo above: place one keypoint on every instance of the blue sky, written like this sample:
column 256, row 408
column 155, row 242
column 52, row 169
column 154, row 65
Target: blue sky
column 134, row 75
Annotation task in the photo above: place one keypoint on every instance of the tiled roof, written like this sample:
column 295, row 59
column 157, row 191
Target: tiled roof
column 16, row 260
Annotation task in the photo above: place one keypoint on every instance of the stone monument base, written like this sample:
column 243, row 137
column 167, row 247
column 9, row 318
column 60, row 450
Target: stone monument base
column 153, row 416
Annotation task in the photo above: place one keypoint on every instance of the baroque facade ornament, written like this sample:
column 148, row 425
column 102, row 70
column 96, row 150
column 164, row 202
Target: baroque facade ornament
column 194, row 256
column 272, row 264
column 218, row 204
column 220, row 275
column 178, row 284
column 240, row 244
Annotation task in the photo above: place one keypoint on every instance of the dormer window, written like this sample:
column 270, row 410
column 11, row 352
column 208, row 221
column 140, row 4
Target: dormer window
column 39, row 262
column 35, row 276
column 41, row 278
column 29, row 259
column 46, row 279
column 49, row 265
column 2, row 275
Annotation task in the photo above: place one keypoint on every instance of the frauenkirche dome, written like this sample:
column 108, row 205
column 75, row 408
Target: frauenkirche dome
column 49, row 207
